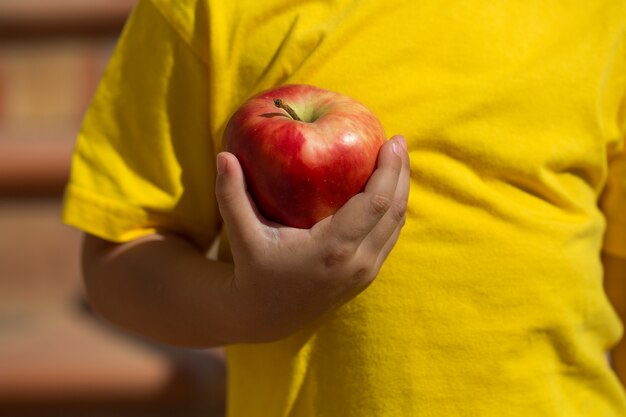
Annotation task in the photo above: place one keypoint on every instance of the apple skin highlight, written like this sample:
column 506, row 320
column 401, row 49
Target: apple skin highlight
column 299, row 172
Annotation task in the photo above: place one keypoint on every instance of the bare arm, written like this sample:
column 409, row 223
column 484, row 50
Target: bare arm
column 162, row 287
column 615, row 285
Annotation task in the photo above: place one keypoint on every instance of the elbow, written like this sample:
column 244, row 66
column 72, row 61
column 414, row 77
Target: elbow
column 92, row 264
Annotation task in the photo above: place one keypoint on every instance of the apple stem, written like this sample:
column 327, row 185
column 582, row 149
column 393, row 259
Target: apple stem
column 279, row 103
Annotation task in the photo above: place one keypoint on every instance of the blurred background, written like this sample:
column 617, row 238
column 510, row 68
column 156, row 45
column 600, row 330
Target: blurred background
column 56, row 358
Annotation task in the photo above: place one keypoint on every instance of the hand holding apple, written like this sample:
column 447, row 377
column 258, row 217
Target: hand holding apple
column 304, row 151
column 287, row 277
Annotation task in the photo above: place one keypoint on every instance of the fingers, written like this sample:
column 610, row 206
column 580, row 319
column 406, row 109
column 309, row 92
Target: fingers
column 387, row 247
column 390, row 225
column 362, row 214
column 235, row 204
column 356, row 219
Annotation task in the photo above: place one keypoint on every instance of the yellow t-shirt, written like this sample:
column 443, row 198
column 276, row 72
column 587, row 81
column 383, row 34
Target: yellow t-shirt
column 491, row 303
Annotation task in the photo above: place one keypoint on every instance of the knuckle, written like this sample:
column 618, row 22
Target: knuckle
column 364, row 271
column 379, row 204
column 398, row 210
column 362, row 276
column 337, row 254
column 224, row 195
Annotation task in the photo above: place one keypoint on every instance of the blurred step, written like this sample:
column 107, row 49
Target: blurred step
column 34, row 168
column 28, row 18
column 54, row 360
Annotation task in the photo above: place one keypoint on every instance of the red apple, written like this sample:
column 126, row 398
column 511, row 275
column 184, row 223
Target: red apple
column 304, row 151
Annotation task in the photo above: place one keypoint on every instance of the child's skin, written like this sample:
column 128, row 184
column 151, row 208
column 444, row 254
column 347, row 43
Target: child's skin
column 164, row 288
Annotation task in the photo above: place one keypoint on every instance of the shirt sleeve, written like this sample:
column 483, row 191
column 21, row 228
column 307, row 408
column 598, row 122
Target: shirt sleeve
column 145, row 159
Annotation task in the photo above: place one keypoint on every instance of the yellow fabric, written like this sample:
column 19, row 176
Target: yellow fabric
column 491, row 304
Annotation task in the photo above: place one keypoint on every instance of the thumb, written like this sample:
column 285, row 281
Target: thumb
column 236, row 206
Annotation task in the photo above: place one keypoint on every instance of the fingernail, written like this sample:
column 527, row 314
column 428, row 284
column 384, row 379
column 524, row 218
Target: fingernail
column 402, row 141
column 222, row 162
column 394, row 147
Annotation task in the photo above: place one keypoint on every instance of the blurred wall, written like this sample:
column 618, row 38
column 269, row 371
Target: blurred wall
column 56, row 358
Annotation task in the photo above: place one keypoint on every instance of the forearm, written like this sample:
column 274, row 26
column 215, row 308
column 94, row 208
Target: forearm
column 615, row 285
column 163, row 288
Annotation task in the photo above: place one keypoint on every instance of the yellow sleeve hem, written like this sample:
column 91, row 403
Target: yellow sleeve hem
column 107, row 219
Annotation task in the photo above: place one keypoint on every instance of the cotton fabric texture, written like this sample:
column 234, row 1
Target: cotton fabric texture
column 491, row 303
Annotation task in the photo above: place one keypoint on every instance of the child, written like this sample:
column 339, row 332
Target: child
column 489, row 303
